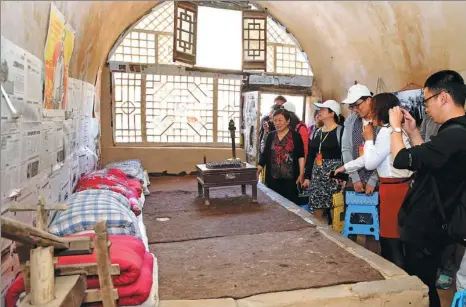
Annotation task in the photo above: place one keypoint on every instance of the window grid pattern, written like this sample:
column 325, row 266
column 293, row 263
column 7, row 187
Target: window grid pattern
column 270, row 58
column 165, row 48
column 277, row 34
column 186, row 20
column 137, row 47
column 127, row 108
column 254, row 39
column 288, row 61
column 160, row 20
column 229, row 97
column 179, row 109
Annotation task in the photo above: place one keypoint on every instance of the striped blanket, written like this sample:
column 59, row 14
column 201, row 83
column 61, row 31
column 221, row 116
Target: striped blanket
column 87, row 207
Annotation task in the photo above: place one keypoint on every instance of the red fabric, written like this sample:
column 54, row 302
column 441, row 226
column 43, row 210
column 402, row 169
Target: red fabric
column 127, row 251
column 139, row 291
column 136, row 184
column 391, row 197
column 114, row 180
column 302, row 130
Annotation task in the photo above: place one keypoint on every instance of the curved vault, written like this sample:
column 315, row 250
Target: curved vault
column 400, row 42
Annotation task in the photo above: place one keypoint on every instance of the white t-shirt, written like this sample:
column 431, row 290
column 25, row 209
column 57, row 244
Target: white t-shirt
column 378, row 156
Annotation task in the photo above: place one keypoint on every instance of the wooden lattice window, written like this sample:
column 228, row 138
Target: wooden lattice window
column 254, row 40
column 185, row 32
column 229, row 100
column 127, row 125
column 179, row 109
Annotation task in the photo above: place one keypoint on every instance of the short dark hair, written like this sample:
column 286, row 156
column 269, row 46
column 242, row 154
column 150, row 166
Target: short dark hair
column 383, row 102
column 275, row 107
column 280, row 97
column 283, row 112
column 449, row 81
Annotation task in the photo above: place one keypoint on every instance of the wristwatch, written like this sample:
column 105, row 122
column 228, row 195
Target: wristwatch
column 397, row 130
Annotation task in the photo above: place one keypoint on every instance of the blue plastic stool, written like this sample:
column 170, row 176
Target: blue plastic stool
column 459, row 300
column 362, row 203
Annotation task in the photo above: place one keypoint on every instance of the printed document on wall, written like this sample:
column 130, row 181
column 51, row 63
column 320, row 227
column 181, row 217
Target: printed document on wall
column 32, row 108
column 30, row 151
column 52, row 146
column 13, row 78
column 10, row 163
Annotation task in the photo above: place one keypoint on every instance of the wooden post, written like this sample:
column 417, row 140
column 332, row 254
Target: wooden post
column 41, row 217
column 42, row 276
column 104, row 264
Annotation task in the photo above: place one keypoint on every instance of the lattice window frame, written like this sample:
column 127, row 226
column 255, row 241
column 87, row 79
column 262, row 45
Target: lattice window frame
column 234, row 85
column 254, row 63
column 128, row 79
column 181, row 7
column 163, row 13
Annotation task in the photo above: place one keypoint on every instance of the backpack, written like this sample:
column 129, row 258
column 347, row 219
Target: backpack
column 454, row 225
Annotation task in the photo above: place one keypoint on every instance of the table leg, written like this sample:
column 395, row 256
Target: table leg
column 243, row 189
column 254, row 192
column 199, row 189
column 206, row 196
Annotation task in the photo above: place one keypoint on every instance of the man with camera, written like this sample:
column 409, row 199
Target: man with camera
column 430, row 216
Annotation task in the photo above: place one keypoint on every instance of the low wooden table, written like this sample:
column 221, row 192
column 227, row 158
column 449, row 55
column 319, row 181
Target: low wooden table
column 221, row 177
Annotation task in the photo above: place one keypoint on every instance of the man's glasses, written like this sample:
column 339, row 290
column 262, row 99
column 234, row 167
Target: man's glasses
column 427, row 99
column 356, row 104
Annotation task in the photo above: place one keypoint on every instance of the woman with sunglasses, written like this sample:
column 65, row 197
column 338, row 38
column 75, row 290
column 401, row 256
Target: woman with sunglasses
column 394, row 183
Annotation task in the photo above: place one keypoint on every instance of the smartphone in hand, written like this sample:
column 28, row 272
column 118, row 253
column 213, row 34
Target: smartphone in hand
column 339, row 176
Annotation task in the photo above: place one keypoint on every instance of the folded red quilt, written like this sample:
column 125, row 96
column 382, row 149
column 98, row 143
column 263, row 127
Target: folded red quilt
column 138, row 292
column 127, row 251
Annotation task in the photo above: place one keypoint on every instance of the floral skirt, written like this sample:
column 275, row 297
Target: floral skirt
column 322, row 187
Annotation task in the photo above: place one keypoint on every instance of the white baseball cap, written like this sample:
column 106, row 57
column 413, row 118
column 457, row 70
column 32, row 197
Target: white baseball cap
column 330, row 104
column 355, row 92
column 289, row 106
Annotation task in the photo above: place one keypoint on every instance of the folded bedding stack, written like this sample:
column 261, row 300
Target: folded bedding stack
column 133, row 168
column 88, row 207
column 114, row 180
column 136, row 283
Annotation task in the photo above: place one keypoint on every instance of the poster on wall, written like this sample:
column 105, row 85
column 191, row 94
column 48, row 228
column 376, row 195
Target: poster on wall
column 58, row 50
column 413, row 101
column 250, row 111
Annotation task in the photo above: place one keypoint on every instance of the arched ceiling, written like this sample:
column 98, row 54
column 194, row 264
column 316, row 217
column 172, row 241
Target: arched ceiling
column 399, row 42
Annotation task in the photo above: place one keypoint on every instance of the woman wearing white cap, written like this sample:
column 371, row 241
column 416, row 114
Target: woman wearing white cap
column 324, row 156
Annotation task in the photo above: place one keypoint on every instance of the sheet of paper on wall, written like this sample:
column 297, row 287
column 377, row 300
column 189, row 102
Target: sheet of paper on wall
column 52, row 146
column 29, row 196
column 78, row 94
column 75, row 172
column 30, row 151
column 10, row 164
column 65, row 185
column 12, row 79
column 70, row 133
column 88, row 99
column 33, row 105
column 83, row 132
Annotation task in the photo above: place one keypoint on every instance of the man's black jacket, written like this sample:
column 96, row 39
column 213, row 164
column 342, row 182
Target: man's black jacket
column 443, row 158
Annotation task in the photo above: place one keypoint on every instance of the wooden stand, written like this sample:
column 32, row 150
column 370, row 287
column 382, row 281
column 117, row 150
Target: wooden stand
column 221, row 177
column 50, row 285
